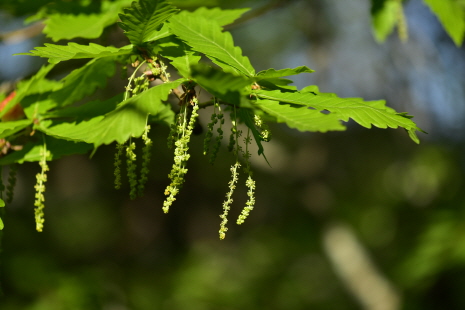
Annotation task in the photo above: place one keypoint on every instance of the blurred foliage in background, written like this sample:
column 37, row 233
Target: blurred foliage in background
column 361, row 219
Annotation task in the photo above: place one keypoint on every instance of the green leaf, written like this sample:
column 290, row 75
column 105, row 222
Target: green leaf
column 206, row 36
column 384, row 14
column 451, row 14
column 56, row 53
column 272, row 73
column 67, row 26
column 143, row 18
column 34, row 85
column 33, row 151
column 88, row 110
column 84, row 81
column 226, row 86
column 181, row 55
column 300, row 117
column 222, row 17
column 127, row 120
column 277, row 84
column 160, row 34
column 247, row 116
column 360, row 111
column 10, row 128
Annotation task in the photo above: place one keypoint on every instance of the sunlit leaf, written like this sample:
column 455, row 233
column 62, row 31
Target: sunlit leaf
column 300, row 117
column 143, row 19
column 127, row 120
column 86, row 111
column 272, row 73
column 206, row 36
column 451, row 14
column 33, row 151
column 384, row 14
column 34, row 85
column 355, row 108
column 56, row 53
column 84, row 81
column 9, row 128
column 181, row 55
column 226, row 86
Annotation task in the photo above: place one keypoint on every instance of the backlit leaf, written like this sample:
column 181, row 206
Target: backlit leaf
column 225, row 86
column 127, row 120
column 300, row 117
column 206, row 36
column 451, row 14
column 272, row 73
column 33, row 151
column 84, row 81
column 56, row 53
column 360, row 111
column 143, row 19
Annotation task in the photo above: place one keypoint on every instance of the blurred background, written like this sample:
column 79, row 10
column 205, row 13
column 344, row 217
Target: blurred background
column 361, row 219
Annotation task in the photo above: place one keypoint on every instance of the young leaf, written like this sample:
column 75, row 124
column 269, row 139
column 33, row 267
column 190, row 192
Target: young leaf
column 67, row 26
column 300, row 117
column 36, row 84
column 57, row 53
column 272, row 73
column 84, row 81
column 206, row 37
column 226, row 86
column 384, row 16
column 451, row 14
column 127, row 120
column 355, row 108
column 33, row 151
column 10, row 128
column 143, row 18
column 181, row 55
column 160, row 34
column 86, row 111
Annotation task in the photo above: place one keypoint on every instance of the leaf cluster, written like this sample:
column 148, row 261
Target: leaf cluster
column 158, row 32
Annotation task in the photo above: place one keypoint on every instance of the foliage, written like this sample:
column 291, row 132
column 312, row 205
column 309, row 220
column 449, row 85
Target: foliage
column 387, row 14
column 60, row 120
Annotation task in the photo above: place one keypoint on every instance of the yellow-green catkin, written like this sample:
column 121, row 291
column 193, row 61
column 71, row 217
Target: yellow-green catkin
column 249, row 205
column 117, row 164
column 146, row 154
column 11, row 183
column 227, row 203
column 219, row 137
column 265, row 133
column 232, row 136
column 40, row 190
column 181, row 156
column 131, row 167
column 209, row 134
column 250, row 183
